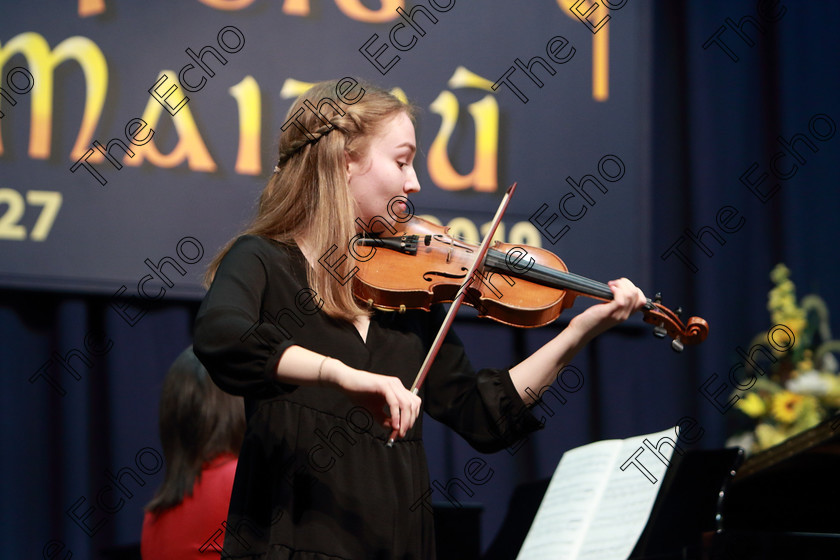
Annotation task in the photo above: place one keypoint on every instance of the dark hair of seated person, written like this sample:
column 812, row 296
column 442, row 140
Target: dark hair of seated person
column 198, row 422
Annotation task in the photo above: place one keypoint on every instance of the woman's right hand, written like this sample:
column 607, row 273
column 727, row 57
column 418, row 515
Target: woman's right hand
column 384, row 396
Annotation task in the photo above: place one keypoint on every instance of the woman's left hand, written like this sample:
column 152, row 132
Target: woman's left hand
column 627, row 299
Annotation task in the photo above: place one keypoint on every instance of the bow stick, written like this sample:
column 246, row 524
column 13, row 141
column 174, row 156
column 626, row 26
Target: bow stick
column 456, row 303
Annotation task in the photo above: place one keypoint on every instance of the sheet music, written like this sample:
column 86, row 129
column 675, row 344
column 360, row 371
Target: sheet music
column 592, row 510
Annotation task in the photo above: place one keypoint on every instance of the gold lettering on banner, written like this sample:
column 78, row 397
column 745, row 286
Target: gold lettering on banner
column 42, row 62
column 190, row 145
column 600, row 48
column 352, row 8
column 293, row 88
column 485, row 114
column 89, row 8
column 227, row 4
column 525, row 233
column 521, row 233
column 358, row 11
column 247, row 95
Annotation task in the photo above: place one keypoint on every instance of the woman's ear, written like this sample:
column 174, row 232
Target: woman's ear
column 354, row 164
column 348, row 164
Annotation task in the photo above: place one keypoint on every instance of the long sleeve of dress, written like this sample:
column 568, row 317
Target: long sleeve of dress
column 484, row 407
column 237, row 341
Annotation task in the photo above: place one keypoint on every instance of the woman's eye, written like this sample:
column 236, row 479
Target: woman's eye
column 402, row 164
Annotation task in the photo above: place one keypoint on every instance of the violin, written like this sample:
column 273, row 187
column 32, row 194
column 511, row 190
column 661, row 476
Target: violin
column 522, row 286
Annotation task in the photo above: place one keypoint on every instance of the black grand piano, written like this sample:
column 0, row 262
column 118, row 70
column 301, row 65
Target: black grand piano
column 780, row 504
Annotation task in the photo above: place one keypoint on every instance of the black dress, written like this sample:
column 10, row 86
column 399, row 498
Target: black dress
column 315, row 479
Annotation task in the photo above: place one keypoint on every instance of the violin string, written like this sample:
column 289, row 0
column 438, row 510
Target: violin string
column 538, row 272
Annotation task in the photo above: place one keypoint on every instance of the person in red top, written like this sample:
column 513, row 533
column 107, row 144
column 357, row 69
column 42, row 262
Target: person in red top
column 201, row 429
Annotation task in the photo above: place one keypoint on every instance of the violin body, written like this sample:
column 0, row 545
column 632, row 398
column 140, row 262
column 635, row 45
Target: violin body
column 395, row 280
column 521, row 286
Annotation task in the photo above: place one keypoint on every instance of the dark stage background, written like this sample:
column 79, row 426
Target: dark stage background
column 675, row 100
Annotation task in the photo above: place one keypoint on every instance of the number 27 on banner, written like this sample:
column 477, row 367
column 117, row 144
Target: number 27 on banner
column 10, row 228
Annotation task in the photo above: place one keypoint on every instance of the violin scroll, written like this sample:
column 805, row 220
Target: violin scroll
column 668, row 323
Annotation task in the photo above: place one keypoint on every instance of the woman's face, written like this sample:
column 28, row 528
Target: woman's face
column 386, row 171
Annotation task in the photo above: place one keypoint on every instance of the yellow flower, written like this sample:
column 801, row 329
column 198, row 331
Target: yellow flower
column 810, row 415
column 781, row 301
column 778, row 300
column 786, row 287
column 752, row 405
column 779, row 273
column 787, row 406
column 797, row 325
column 832, row 396
column 768, row 436
column 806, row 363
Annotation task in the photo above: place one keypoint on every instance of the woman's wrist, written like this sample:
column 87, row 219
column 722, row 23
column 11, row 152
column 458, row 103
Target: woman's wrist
column 299, row 366
column 591, row 323
column 319, row 380
column 331, row 372
column 579, row 332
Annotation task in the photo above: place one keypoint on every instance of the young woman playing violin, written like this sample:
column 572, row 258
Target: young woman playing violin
column 325, row 379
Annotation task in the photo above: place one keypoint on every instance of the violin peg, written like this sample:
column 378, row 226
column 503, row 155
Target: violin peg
column 660, row 331
column 677, row 345
column 678, row 312
column 657, row 298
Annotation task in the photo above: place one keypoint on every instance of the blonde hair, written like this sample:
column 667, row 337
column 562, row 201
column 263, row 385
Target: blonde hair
column 308, row 195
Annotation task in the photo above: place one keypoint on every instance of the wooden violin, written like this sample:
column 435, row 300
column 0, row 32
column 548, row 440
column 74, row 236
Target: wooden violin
column 522, row 286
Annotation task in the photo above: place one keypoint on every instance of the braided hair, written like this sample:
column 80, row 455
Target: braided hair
column 307, row 196
column 294, row 147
